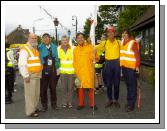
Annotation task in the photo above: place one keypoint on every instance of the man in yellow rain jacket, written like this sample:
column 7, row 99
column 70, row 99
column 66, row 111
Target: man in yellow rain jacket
column 83, row 65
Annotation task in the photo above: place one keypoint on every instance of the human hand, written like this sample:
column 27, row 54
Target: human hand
column 27, row 79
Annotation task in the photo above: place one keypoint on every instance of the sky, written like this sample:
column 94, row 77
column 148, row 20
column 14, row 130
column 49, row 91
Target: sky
column 27, row 15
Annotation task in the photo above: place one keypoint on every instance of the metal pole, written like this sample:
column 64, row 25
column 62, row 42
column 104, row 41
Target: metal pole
column 33, row 29
column 56, row 36
column 76, row 25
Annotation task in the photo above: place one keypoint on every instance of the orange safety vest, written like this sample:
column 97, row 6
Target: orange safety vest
column 127, row 55
column 33, row 62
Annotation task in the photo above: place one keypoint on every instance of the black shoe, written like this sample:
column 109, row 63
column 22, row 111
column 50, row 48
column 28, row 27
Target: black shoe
column 116, row 104
column 55, row 107
column 108, row 104
column 95, row 107
column 80, row 107
column 129, row 109
column 43, row 109
column 8, row 101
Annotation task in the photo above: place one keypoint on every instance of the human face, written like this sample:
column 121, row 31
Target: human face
column 125, row 36
column 46, row 40
column 33, row 40
column 110, row 34
column 64, row 41
column 80, row 39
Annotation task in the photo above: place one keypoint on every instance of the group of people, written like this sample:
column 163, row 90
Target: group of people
column 42, row 65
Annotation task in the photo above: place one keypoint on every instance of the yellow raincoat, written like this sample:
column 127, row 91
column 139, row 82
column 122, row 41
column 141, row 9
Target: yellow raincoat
column 83, row 65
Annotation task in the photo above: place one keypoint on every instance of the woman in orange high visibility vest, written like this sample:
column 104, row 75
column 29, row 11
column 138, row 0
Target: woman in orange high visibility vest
column 130, row 62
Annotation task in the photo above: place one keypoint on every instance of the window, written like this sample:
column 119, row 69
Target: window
column 148, row 46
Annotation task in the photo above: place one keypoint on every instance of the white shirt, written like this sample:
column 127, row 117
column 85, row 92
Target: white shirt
column 22, row 63
column 48, row 46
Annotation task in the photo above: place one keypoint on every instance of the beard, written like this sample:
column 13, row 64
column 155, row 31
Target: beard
column 34, row 44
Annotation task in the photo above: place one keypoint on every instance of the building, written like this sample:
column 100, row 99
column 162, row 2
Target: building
column 18, row 36
column 145, row 25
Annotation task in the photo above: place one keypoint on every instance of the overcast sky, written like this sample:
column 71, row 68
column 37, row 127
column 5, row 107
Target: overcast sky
column 25, row 15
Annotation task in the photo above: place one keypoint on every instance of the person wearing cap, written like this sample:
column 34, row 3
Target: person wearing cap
column 112, row 66
column 30, row 68
column 83, row 65
column 130, row 62
column 50, row 73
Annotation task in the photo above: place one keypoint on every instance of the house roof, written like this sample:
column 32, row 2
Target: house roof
column 146, row 18
column 19, row 35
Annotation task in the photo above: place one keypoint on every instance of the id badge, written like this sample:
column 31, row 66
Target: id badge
column 49, row 62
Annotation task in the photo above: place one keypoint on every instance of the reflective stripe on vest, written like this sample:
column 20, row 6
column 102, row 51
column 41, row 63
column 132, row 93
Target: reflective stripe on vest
column 127, row 56
column 9, row 64
column 98, row 65
column 33, row 61
column 66, row 61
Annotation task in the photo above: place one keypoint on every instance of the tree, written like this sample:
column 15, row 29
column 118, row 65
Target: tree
column 130, row 15
column 107, row 14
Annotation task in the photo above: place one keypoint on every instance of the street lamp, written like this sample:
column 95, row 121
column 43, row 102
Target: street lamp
column 76, row 22
column 69, row 33
column 39, row 19
column 56, row 23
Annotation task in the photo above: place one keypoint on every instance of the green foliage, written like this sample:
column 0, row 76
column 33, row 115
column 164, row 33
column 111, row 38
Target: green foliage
column 107, row 15
column 131, row 13
column 39, row 39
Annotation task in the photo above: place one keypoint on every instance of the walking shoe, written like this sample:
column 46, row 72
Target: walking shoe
column 69, row 105
column 64, row 106
column 8, row 101
column 43, row 109
column 108, row 104
column 97, row 92
column 35, row 114
column 95, row 107
column 129, row 109
column 116, row 104
column 55, row 107
column 80, row 107
column 37, row 111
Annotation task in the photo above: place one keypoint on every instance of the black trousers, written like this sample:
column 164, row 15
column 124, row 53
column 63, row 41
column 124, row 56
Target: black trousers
column 48, row 81
column 9, row 83
column 112, row 77
column 131, row 83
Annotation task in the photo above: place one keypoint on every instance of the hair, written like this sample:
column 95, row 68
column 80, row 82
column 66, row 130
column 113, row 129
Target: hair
column 45, row 34
column 127, row 31
column 64, row 36
column 80, row 33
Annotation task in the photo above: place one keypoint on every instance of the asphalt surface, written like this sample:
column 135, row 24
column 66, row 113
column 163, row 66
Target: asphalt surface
column 16, row 110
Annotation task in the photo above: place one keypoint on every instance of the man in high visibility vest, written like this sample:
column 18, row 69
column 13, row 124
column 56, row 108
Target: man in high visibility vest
column 30, row 68
column 65, row 53
column 130, row 62
column 50, row 73
column 10, row 74
column 112, row 66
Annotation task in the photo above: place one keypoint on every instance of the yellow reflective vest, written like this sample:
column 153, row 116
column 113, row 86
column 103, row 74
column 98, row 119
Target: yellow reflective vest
column 66, row 60
column 8, row 51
